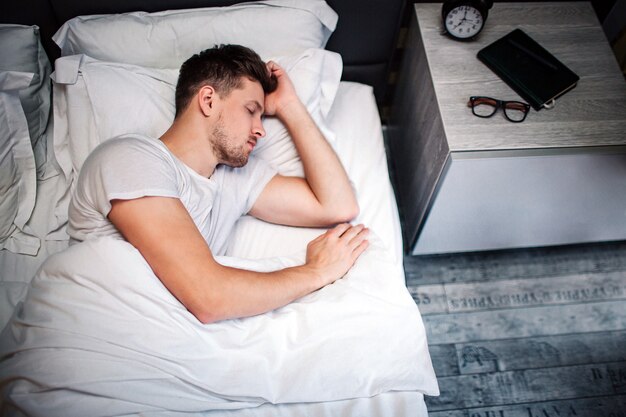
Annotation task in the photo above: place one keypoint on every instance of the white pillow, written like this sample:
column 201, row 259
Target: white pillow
column 316, row 74
column 95, row 101
column 17, row 166
column 166, row 39
column 21, row 51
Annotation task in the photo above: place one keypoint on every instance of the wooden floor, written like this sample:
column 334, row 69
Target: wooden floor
column 526, row 333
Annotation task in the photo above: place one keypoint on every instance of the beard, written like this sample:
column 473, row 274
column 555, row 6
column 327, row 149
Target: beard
column 227, row 153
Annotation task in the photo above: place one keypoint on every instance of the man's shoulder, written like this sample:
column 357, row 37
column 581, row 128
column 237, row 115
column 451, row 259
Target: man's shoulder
column 129, row 141
column 127, row 152
column 126, row 146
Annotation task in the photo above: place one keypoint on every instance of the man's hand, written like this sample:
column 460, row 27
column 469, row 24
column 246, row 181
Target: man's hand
column 333, row 253
column 285, row 93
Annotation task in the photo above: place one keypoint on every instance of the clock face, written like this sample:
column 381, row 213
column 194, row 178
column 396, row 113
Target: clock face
column 464, row 22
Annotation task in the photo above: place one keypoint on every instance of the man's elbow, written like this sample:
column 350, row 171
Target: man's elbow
column 207, row 311
column 345, row 213
column 206, row 317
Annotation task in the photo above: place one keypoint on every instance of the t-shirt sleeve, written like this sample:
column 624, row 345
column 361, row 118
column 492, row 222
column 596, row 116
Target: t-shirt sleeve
column 260, row 177
column 247, row 183
column 125, row 169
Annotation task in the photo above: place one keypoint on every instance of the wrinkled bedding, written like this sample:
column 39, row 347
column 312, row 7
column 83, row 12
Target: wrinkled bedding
column 100, row 335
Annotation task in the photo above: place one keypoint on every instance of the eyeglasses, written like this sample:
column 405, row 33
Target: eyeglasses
column 514, row 111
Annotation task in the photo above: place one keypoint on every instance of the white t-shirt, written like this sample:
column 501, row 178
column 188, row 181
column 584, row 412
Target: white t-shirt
column 135, row 166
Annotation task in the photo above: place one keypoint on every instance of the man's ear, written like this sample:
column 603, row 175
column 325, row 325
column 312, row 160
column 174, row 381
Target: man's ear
column 206, row 97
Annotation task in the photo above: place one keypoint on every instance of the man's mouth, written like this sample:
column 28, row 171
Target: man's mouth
column 252, row 143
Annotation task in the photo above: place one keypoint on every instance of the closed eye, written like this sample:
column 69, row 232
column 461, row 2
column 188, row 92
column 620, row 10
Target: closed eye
column 254, row 106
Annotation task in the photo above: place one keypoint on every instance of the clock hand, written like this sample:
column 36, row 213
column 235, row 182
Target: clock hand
column 464, row 20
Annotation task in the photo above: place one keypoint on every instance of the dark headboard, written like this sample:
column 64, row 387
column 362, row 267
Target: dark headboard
column 365, row 35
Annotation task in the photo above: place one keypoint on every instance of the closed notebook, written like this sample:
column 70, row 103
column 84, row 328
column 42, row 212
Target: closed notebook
column 529, row 69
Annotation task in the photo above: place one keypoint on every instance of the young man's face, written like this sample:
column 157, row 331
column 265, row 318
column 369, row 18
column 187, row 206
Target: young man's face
column 239, row 124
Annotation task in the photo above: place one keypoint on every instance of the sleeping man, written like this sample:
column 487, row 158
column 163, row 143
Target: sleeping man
column 177, row 199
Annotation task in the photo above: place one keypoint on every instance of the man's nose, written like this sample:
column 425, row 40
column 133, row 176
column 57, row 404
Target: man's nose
column 258, row 130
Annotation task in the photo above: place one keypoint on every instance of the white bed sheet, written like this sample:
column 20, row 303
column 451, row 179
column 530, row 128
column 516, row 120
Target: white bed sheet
column 355, row 121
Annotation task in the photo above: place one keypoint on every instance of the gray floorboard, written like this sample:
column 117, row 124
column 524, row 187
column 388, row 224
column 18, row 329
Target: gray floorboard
column 537, row 332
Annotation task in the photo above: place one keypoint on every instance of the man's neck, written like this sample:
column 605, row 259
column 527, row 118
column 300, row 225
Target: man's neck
column 186, row 140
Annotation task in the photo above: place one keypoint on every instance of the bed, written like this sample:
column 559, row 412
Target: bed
column 88, row 330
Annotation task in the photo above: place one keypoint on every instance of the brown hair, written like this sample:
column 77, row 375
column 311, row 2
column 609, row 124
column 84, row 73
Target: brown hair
column 221, row 67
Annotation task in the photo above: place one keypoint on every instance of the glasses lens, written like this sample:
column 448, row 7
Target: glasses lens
column 484, row 107
column 515, row 111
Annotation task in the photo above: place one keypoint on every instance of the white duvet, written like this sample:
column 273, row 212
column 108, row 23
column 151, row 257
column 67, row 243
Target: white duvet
column 100, row 335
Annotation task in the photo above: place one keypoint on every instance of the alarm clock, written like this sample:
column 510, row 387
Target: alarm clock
column 464, row 19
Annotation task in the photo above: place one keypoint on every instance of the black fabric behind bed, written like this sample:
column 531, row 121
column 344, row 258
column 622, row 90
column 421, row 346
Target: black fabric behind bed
column 365, row 35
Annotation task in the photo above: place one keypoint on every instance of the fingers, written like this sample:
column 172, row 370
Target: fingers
column 335, row 252
column 352, row 236
column 359, row 231
column 347, row 231
column 360, row 249
column 339, row 230
column 273, row 67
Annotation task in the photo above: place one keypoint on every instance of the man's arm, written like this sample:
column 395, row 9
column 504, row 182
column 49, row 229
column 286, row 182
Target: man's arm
column 325, row 196
column 166, row 236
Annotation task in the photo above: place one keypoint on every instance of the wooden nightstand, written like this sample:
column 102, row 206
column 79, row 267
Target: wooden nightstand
column 468, row 184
